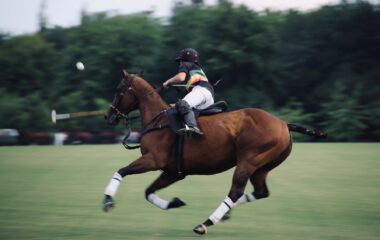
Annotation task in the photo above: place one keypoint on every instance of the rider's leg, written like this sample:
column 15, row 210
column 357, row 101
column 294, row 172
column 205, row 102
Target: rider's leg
column 188, row 116
column 199, row 98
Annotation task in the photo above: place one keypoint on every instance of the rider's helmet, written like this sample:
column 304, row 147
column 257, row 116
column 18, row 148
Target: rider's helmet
column 188, row 55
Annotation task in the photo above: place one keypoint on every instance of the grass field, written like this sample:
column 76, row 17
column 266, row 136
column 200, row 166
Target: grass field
column 323, row 191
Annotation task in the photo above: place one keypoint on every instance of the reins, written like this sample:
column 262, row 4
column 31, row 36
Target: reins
column 154, row 127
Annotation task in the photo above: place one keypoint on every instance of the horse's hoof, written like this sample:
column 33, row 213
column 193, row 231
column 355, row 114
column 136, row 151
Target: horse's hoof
column 200, row 229
column 176, row 203
column 108, row 203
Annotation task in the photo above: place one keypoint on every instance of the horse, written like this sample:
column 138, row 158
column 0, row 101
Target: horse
column 250, row 139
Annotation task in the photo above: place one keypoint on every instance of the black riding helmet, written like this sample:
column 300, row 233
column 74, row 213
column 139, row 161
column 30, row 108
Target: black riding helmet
column 188, row 55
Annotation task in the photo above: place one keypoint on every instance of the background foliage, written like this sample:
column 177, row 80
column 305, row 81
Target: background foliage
column 317, row 68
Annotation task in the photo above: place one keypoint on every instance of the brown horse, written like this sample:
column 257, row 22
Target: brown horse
column 251, row 139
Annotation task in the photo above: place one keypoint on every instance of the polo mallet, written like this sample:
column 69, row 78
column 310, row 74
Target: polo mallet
column 55, row 116
column 185, row 85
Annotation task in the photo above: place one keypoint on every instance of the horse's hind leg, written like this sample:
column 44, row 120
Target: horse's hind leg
column 240, row 179
column 259, row 183
column 161, row 182
column 242, row 173
column 258, row 179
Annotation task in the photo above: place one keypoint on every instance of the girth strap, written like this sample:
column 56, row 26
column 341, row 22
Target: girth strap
column 179, row 142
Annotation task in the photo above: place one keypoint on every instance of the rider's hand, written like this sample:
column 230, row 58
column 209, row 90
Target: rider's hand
column 166, row 85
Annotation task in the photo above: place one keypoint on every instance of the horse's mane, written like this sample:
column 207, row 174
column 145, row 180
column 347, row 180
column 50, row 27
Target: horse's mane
column 146, row 88
column 142, row 82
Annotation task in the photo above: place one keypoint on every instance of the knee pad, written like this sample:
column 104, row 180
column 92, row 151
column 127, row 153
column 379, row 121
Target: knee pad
column 183, row 107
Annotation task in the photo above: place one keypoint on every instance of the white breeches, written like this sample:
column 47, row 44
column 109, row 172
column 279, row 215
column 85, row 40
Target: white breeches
column 199, row 98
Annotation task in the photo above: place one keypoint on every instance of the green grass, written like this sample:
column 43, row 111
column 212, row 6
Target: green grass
column 323, row 191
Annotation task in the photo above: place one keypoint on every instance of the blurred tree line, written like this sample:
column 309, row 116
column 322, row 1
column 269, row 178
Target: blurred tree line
column 318, row 68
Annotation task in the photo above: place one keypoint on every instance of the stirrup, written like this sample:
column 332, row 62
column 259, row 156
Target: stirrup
column 196, row 130
column 186, row 131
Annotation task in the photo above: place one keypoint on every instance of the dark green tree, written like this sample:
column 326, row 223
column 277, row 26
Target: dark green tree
column 344, row 115
column 27, row 64
column 318, row 68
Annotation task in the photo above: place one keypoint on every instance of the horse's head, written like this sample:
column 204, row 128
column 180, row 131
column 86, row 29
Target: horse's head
column 124, row 101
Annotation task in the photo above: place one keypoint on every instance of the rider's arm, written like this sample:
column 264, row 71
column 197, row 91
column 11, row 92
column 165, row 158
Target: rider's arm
column 178, row 78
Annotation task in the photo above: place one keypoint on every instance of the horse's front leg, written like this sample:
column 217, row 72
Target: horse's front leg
column 164, row 180
column 143, row 164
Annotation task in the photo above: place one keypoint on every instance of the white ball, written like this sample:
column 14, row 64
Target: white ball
column 80, row 66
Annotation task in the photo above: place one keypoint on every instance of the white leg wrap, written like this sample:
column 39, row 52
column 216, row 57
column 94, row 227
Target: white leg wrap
column 223, row 208
column 157, row 201
column 248, row 197
column 113, row 185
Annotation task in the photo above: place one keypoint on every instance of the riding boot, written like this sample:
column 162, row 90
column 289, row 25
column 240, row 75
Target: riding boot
column 190, row 124
column 188, row 116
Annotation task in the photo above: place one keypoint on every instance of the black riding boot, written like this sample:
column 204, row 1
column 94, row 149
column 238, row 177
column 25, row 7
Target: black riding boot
column 190, row 124
column 189, row 118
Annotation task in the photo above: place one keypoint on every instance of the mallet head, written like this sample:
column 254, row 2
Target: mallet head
column 53, row 116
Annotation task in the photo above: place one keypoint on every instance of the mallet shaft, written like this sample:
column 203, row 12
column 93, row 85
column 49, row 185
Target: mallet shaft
column 55, row 116
column 84, row 114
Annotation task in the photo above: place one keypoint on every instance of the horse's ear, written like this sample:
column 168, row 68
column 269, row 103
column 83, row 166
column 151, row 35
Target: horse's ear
column 125, row 73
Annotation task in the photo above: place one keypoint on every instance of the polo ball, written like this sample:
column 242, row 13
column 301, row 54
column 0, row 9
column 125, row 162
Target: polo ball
column 80, row 66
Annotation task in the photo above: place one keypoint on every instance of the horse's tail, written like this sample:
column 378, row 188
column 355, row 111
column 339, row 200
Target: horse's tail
column 314, row 133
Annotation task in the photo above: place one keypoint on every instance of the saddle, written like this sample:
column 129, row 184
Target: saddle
column 176, row 122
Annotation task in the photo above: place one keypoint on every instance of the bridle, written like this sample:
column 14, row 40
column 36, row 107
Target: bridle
column 119, row 114
column 127, row 87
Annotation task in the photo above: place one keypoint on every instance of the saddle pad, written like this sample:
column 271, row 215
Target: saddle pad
column 215, row 108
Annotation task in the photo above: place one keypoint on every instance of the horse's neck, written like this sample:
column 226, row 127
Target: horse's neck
column 150, row 107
